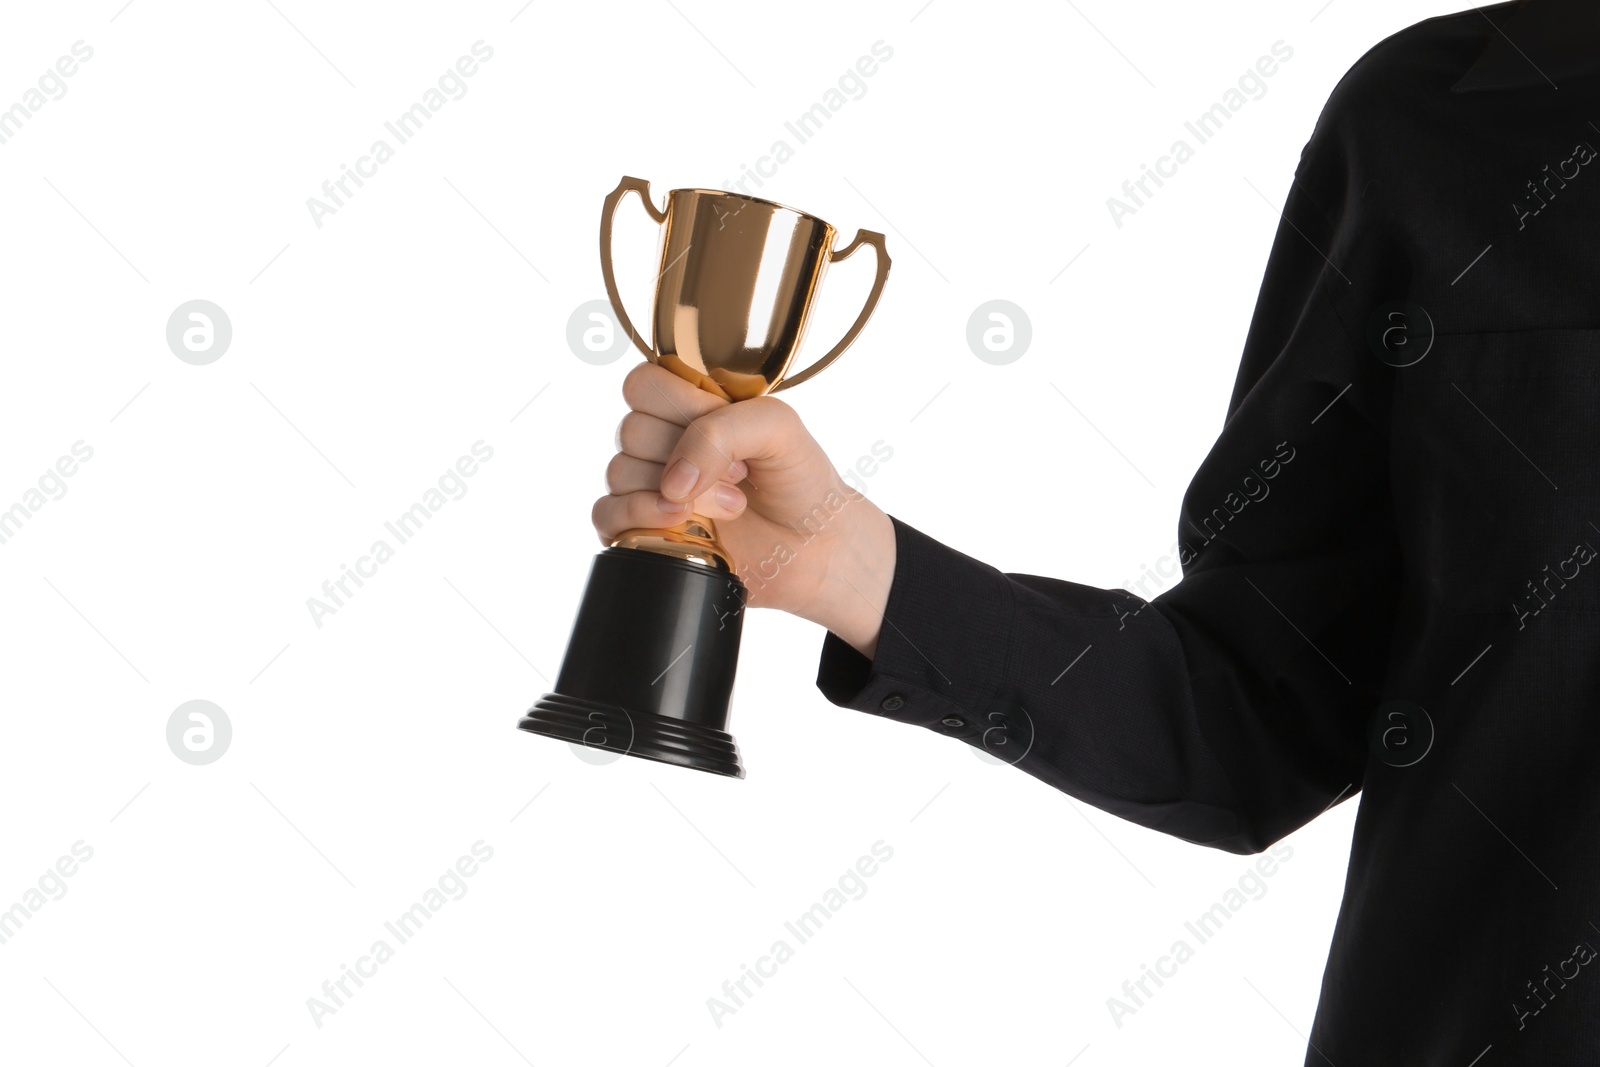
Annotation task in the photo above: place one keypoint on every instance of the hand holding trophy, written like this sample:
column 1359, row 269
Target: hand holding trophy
column 650, row 665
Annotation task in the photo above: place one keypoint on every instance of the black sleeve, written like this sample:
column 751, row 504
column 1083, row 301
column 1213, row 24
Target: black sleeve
column 1232, row 708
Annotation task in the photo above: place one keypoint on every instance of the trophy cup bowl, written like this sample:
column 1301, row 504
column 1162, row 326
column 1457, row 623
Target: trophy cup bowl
column 649, row 668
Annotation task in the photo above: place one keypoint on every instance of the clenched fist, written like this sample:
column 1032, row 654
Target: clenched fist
column 753, row 468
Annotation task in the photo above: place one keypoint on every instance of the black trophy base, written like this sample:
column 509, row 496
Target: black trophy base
column 650, row 665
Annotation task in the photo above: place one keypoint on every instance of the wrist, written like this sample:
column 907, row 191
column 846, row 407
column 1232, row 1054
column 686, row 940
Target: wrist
column 859, row 574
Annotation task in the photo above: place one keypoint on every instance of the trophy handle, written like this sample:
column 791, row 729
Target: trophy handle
column 863, row 237
column 607, row 214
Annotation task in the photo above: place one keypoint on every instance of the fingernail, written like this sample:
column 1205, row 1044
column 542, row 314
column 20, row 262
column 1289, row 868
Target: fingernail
column 680, row 478
column 670, row 506
column 729, row 497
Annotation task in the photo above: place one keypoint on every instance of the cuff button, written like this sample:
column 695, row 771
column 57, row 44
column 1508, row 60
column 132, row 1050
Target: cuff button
column 893, row 702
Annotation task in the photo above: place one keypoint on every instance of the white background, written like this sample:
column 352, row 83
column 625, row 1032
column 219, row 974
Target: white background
column 369, row 353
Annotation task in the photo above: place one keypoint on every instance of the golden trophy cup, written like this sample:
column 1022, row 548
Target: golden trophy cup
column 650, row 665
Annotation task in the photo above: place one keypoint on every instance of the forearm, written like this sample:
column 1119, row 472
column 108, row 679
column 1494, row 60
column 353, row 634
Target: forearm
column 1194, row 714
column 1070, row 683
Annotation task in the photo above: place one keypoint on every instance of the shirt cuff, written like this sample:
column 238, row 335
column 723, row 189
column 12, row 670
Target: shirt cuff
column 943, row 647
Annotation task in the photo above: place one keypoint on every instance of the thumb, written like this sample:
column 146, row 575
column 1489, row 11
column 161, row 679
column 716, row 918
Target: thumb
column 760, row 428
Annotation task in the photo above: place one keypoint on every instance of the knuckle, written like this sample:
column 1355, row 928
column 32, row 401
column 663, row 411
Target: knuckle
column 770, row 407
column 635, row 384
column 772, row 418
column 629, row 431
column 708, row 433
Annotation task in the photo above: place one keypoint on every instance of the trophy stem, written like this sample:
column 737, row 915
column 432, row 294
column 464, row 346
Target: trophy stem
column 694, row 539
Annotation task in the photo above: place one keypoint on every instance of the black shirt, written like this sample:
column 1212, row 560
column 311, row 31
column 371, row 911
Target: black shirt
column 1389, row 576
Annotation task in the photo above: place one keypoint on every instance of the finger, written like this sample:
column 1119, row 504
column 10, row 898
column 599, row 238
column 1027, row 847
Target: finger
column 642, row 510
column 628, row 474
column 646, row 436
column 657, row 391
column 762, row 428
